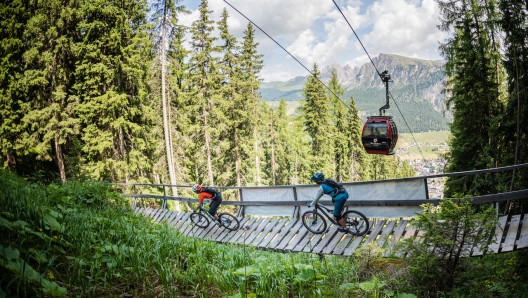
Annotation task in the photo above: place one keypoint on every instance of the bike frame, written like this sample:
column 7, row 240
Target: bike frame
column 202, row 210
column 325, row 212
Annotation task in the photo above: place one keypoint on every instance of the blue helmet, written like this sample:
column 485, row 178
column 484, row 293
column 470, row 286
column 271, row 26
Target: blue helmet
column 317, row 177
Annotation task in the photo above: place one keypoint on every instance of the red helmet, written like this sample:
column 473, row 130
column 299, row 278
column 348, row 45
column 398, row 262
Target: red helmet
column 197, row 188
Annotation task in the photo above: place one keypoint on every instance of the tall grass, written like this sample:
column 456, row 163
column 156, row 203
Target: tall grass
column 82, row 240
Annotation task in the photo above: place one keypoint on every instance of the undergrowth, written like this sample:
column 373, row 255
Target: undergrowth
column 83, row 240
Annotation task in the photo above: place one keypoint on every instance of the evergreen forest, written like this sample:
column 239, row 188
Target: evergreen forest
column 103, row 91
column 119, row 91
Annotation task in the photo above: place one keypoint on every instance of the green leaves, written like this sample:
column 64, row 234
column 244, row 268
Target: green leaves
column 247, row 270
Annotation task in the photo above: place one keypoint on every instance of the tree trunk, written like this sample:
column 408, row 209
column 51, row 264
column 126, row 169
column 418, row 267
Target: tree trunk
column 60, row 159
column 123, row 151
column 257, row 161
column 237, row 159
column 166, row 124
column 272, row 149
column 208, row 150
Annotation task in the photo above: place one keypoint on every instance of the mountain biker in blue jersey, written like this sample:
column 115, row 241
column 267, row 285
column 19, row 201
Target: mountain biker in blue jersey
column 337, row 192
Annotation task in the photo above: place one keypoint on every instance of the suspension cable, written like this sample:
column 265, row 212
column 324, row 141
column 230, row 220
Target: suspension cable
column 379, row 74
column 339, row 98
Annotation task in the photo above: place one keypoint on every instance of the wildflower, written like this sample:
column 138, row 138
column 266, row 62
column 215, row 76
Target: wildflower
column 180, row 248
column 55, row 237
column 41, row 230
column 247, row 227
column 50, row 275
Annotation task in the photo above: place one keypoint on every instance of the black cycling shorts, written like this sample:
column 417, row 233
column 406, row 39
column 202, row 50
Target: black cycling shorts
column 215, row 204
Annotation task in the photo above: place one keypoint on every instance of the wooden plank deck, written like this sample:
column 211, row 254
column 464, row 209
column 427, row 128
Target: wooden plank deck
column 289, row 234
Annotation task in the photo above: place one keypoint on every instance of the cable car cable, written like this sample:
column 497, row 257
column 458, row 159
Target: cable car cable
column 289, row 54
column 379, row 74
column 398, row 107
column 285, row 51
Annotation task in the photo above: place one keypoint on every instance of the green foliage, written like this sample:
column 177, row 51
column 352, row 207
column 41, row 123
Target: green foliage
column 450, row 232
column 317, row 123
column 474, row 82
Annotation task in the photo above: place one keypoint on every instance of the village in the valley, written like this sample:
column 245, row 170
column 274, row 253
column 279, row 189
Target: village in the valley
column 428, row 166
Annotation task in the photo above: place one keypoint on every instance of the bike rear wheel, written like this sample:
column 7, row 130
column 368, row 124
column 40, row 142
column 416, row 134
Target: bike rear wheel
column 229, row 221
column 356, row 222
column 199, row 220
column 314, row 222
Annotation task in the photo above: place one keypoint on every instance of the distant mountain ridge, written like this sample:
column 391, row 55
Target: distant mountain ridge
column 416, row 86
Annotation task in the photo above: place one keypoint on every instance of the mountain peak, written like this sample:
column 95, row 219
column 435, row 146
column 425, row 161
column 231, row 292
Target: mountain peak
column 424, row 77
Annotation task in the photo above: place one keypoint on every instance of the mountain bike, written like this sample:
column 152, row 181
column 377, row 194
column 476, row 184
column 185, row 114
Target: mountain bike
column 202, row 218
column 315, row 220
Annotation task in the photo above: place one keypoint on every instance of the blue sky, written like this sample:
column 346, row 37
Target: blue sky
column 315, row 32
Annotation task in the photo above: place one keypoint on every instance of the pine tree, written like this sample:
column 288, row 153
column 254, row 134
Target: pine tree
column 339, row 132
column 279, row 147
column 166, row 19
column 472, row 85
column 232, row 105
column 178, row 94
column 316, row 112
column 250, row 67
column 359, row 162
column 513, row 131
column 49, row 117
column 299, row 152
column 204, row 80
column 111, row 77
column 14, row 16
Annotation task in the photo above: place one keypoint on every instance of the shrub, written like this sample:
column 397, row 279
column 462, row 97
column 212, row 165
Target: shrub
column 450, row 232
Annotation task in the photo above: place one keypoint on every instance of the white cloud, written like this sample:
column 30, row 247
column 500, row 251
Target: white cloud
column 358, row 61
column 314, row 31
column 404, row 27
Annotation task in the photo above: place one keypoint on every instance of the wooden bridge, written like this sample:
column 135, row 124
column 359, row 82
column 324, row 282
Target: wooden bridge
column 286, row 234
column 284, row 231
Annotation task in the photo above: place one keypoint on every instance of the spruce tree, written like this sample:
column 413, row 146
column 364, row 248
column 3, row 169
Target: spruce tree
column 339, row 132
column 166, row 20
column 359, row 161
column 112, row 64
column 250, row 67
column 317, row 122
column 49, row 118
column 204, row 80
column 236, row 115
column 178, row 94
column 14, row 16
column 472, row 85
column 513, row 129
column 280, row 145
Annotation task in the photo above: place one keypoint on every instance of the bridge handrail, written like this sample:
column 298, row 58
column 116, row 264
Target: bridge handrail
column 519, row 194
column 465, row 173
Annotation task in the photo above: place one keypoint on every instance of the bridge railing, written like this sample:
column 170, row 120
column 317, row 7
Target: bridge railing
column 377, row 199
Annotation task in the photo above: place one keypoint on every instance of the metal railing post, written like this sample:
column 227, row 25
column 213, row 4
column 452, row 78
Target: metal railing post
column 494, row 191
column 164, row 198
column 135, row 199
column 296, row 209
column 240, row 211
column 426, row 190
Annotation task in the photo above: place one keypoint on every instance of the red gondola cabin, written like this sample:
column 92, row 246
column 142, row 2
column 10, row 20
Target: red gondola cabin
column 380, row 135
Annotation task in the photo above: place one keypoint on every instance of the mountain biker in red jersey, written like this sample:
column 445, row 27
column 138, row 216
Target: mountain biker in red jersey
column 208, row 193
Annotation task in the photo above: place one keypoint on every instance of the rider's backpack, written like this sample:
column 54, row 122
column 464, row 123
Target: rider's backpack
column 214, row 192
column 338, row 187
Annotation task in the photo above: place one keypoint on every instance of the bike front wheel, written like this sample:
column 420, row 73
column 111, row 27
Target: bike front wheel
column 199, row 220
column 314, row 222
column 229, row 221
column 356, row 222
